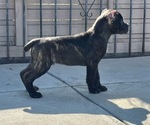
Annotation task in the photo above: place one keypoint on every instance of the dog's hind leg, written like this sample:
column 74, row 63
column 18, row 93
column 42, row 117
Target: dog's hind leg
column 24, row 75
column 38, row 66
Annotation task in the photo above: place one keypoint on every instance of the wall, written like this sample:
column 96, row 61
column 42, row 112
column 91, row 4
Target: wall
column 24, row 21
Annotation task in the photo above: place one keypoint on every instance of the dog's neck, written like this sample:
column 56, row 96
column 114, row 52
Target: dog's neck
column 105, row 34
column 101, row 28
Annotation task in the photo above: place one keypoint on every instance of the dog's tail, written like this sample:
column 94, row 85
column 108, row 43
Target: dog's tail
column 31, row 44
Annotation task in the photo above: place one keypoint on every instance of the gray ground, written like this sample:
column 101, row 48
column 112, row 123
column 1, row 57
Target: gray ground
column 66, row 100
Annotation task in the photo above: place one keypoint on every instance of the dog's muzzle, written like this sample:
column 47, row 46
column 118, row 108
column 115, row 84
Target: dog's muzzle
column 124, row 29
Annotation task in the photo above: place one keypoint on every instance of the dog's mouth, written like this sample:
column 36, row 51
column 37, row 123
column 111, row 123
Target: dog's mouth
column 124, row 29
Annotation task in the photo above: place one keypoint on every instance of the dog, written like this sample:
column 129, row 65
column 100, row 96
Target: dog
column 84, row 49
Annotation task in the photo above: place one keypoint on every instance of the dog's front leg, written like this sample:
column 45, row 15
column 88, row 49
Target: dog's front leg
column 97, row 81
column 93, row 79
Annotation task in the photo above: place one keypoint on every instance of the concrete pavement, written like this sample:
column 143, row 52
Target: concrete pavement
column 66, row 100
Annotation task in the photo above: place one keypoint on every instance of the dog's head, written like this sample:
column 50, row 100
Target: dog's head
column 110, row 21
column 115, row 21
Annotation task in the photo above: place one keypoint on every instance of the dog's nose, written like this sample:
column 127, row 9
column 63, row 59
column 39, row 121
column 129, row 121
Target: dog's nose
column 127, row 27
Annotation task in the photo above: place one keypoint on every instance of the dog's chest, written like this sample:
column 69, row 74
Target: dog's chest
column 100, row 51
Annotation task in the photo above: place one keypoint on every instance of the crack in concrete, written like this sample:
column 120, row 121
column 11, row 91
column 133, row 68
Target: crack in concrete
column 63, row 81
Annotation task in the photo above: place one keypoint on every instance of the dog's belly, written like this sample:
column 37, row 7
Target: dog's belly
column 69, row 59
column 71, row 62
column 70, row 56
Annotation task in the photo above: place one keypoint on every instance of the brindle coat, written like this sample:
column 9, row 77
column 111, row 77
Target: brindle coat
column 85, row 49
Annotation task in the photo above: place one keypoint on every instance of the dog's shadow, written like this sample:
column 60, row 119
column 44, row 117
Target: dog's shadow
column 73, row 103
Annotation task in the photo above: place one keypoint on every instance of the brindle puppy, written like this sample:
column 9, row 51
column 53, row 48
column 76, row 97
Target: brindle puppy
column 84, row 49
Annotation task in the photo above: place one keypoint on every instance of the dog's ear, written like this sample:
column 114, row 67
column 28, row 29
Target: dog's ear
column 111, row 14
column 104, row 10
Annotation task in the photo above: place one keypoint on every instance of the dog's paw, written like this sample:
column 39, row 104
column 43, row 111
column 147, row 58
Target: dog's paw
column 35, row 88
column 97, row 90
column 35, row 94
column 103, row 88
column 94, row 90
